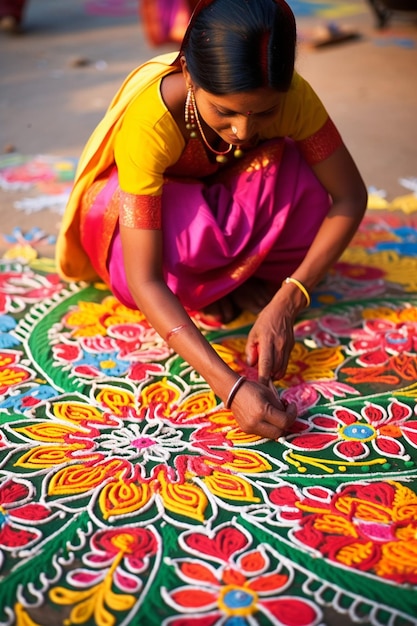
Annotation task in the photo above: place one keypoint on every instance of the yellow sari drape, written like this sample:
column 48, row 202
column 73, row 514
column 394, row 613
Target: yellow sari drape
column 72, row 261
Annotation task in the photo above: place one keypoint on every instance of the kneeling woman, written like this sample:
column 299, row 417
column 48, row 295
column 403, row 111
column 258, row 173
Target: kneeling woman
column 165, row 214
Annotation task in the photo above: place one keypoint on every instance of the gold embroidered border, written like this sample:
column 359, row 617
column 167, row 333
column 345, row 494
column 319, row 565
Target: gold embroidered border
column 322, row 144
column 88, row 201
column 140, row 211
column 104, row 228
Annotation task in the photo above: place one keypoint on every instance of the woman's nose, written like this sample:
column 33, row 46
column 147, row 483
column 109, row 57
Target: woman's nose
column 244, row 128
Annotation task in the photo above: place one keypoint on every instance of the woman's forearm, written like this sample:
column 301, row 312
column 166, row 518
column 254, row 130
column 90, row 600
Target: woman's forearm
column 165, row 313
column 329, row 244
column 340, row 176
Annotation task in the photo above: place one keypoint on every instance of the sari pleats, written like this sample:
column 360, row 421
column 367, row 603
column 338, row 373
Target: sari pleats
column 255, row 219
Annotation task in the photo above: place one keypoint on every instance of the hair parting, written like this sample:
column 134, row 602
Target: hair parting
column 233, row 46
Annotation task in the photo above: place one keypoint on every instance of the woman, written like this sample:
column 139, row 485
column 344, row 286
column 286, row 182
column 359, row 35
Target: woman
column 11, row 15
column 171, row 221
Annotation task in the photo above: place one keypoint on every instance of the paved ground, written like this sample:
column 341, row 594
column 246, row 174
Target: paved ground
column 57, row 79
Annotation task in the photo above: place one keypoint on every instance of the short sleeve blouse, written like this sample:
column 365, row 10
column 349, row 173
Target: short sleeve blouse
column 149, row 143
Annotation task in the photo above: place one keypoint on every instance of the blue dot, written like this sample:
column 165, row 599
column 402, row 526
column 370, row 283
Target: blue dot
column 358, row 431
column 238, row 599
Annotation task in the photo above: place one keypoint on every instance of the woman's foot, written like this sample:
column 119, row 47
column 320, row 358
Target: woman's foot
column 252, row 296
column 223, row 311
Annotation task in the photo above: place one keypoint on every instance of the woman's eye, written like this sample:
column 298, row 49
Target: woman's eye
column 267, row 113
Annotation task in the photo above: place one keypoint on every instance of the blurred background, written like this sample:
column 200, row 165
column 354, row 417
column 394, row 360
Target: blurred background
column 61, row 64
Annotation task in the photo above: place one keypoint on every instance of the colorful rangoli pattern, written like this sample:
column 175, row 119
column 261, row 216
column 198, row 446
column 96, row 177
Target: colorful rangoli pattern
column 128, row 494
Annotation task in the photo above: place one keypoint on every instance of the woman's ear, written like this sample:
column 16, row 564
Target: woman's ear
column 185, row 71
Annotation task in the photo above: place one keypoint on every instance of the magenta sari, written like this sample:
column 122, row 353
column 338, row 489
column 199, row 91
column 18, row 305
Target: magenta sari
column 165, row 21
column 256, row 219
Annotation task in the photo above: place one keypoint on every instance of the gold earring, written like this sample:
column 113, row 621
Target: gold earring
column 189, row 114
column 192, row 118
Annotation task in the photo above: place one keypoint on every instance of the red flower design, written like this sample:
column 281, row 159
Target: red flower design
column 136, row 544
column 381, row 338
column 16, row 513
column 353, row 435
column 367, row 526
column 244, row 584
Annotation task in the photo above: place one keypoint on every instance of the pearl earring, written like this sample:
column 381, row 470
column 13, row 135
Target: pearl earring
column 192, row 121
column 192, row 118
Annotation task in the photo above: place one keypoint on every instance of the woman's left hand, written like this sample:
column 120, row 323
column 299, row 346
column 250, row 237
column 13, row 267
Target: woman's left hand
column 271, row 339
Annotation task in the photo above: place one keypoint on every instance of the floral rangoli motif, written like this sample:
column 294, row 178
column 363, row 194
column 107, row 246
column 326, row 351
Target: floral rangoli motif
column 129, row 495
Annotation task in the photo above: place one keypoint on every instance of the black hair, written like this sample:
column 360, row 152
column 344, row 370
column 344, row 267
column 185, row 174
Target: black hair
column 233, row 46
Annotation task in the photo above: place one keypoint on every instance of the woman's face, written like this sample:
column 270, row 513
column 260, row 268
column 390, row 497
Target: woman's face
column 247, row 112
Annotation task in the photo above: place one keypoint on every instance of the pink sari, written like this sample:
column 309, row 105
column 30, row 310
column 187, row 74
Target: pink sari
column 256, row 219
column 165, row 21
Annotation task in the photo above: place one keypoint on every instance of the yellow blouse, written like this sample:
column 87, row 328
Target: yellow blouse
column 149, row 141
column 140, row 136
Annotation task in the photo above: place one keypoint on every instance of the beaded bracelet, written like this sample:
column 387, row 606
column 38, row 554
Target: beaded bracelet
column 233, row 391
column 300, row 286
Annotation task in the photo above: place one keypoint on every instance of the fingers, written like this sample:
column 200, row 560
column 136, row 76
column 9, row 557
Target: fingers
column 291, row 411
column 268, row 431
column 256, row 353
column 264, row 349
column 259, row 410
column 272, row 387
column 268, row 365
column 271, row 354
column 251, row 352
column 275, row 423
column 273, row 359
column 281, row 404
column 282, row 420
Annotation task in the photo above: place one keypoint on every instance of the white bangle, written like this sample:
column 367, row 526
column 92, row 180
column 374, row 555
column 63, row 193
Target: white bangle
column 233, row 391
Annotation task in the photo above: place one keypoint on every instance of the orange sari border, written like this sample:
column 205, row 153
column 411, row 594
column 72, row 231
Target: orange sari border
column 140, row 211
column 97, row 227
column 322, row 144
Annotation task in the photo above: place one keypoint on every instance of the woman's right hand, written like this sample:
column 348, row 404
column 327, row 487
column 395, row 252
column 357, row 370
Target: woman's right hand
column 259, row 411
column 257, row 408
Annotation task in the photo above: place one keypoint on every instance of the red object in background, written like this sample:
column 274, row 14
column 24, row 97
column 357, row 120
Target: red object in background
column 165, row 21
column 12, row 8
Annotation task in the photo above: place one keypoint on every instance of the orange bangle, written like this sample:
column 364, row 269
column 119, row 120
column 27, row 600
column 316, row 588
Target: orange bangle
column 300, row 286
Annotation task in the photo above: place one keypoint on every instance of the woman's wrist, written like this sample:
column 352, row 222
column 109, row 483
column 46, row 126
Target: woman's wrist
column 192, row 346
column 233, row 391
column 290, row 280
column 290, row 298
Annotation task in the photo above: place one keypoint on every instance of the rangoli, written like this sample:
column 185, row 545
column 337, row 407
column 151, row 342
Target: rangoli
column 128, row 494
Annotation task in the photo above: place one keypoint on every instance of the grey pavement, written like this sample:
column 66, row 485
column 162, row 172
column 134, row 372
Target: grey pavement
column 57, row 79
